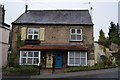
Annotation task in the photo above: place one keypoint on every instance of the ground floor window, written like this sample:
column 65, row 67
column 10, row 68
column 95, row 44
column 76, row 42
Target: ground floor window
column 77, row 58
column 29, row 57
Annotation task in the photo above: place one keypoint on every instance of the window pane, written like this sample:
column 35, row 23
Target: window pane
column 73, row 37
column 35, row 60
column 23, row 60
column 29, row 36
column 36, row 31
column 71, row 55
column 30, row 54
column 77, row 61
column 30, row 31
column 77, row 54
column 83, row 54
column 78, row 37
column 73, row 31
column 35, row 36
column 83, row 61
column 24, row 54
column 71, row 61
column 36, row 54
column 29, row 60
column 78, row 31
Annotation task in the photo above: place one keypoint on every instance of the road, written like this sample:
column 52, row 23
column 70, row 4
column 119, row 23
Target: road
column 103, row 73
column 111, row 74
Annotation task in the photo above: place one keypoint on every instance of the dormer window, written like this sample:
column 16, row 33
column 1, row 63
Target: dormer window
column 75, row 34
column 33, row 33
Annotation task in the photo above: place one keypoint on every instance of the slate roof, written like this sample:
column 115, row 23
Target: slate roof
column 53, row 47
column 55, row 17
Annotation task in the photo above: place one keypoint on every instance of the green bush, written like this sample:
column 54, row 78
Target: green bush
column 27, row 69
column 84, row 68
column 12, row 69
column 22, row 69
column 11, row 59
column 107, row 61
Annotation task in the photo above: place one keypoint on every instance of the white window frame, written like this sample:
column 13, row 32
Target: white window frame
column 75, row 34
column 32, row 33
column 74, row 59
column 39, row 57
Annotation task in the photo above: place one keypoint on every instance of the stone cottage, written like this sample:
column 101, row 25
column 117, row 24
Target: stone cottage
column 64, row 37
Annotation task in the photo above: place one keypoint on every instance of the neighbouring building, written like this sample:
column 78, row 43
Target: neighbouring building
column 4, row 36
column 114, row 49
column 102, row 52
column 64, row 37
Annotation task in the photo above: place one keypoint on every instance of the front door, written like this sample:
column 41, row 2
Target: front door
column 49, row 60
column 58, row 60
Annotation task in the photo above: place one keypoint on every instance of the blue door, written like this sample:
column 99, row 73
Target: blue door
column 58, row 60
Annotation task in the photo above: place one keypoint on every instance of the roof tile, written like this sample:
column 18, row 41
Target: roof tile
column 55, row 17
column 53, row 47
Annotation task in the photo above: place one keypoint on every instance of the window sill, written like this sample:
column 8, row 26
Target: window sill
column 28, row 64
column 32, row 40
column 73, row 65
column 75, row 41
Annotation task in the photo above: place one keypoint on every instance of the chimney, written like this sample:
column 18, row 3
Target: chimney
column 26, row 8
column 3, row 14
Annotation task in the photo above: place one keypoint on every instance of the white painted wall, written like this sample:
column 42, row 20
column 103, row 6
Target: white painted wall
column 4, row 45
column 4, row 36
column 99, row 50
column 0, row 34
column 0, row 55
column 5, row 48
column 0, row 48
column 4, row 39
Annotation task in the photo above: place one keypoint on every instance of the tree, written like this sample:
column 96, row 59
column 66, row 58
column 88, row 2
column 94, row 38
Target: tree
column 113, row 33
column 13, row 58
column 102, row 36
column 102, row 39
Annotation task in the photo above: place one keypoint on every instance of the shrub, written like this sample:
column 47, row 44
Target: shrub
column 84, row 68
column 27, row 69
column 12, row 69
column 107, row 62
column 11, row 59
column 22, row 69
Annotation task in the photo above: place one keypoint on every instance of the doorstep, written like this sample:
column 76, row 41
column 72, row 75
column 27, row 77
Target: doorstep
column 52, row 68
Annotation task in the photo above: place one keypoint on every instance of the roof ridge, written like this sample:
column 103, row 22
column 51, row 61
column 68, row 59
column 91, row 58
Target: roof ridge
column 61, row 10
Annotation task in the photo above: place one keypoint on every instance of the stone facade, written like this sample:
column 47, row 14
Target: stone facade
column 51, row 38
column 60, row 34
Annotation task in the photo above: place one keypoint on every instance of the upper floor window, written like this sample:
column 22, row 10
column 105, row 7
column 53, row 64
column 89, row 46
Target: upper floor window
column 33, row 33
column 75, row 34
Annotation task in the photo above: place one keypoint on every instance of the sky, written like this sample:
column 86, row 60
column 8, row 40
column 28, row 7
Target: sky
column 103, row 11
